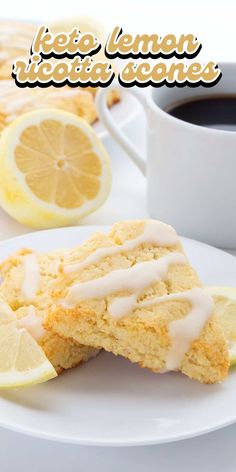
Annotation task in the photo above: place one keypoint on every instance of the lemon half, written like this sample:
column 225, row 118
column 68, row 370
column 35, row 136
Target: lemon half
column 54, row 169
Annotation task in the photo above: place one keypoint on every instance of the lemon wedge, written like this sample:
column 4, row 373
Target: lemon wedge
column 225, row 303
column 54, row 169
column 22, row 361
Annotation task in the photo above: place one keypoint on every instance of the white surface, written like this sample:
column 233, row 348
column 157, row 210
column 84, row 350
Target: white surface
column 110, row 401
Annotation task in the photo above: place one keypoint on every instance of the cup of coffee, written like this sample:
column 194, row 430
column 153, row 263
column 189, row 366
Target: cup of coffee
column 191, row 156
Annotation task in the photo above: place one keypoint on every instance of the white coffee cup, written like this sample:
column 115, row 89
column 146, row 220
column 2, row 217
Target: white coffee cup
column 191, row 170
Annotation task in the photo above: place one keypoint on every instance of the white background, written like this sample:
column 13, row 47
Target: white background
column 214, row 23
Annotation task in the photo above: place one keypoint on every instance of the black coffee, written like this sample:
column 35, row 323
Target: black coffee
column 212, row 112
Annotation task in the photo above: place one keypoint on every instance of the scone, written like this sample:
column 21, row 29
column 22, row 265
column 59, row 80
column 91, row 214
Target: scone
column 134, row 293
column 28, row 279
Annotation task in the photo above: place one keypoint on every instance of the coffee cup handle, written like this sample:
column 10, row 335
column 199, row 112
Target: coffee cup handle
column 109, row 123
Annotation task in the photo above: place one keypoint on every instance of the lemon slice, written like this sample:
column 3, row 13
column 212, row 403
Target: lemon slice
column 225, row 303
column 22, row 361
column 54, row 169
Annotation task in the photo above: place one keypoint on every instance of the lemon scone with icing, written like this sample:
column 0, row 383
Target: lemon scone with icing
column 133, row 292
column 28, row 279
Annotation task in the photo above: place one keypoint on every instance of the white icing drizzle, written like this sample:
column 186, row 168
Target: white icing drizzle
column 184, row 330
column 32, row 323
column 31, row 276
column 155, row 232
column 135, row 279
column 122, row 306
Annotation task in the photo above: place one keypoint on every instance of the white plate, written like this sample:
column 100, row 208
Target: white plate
column 109, row 401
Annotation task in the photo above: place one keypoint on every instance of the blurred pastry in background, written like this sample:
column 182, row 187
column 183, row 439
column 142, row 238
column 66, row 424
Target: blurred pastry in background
column 86, row 24
column 28, row 278
column 15, row 101
column 133, row 292
column 15, row 42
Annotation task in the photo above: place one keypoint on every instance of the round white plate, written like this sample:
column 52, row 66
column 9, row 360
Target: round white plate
column 109, row 401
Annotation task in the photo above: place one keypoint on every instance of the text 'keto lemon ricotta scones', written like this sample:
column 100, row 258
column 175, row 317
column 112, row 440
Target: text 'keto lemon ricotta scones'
column 134, row 293
column 28, row 279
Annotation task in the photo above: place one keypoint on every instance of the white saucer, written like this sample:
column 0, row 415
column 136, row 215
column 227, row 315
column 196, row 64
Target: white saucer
column 109, row 401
